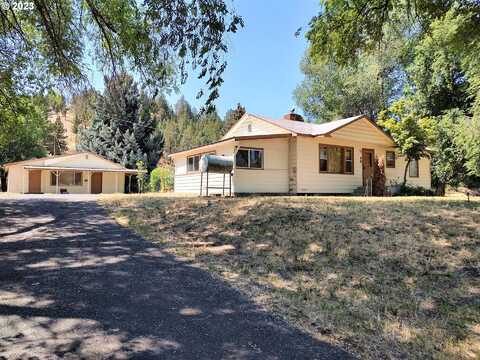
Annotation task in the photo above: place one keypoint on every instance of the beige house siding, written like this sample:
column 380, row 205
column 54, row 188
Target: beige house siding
column 274, row 176
column 258, row 127
column 16, row 183
column 18, row 176
column 395, row 175
column 83, row 160
column 186, row 182
column 291, row 163
column 311, row 180
column 49, row 189
column 363, row 131
column 113, row 183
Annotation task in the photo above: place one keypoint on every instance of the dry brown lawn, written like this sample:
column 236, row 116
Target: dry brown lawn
column 382, row 277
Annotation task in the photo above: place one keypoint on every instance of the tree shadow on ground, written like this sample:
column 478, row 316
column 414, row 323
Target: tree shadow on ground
column 80, row 286
column 386, row 277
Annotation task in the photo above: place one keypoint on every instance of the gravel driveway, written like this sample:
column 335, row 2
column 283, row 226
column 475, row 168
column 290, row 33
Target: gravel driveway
column 75, row 285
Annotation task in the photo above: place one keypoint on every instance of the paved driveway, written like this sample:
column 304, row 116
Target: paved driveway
column 74, row 284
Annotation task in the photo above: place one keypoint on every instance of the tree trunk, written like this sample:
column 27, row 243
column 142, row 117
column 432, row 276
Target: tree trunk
column 3, row 180
column 405, row 173
column 440, row 190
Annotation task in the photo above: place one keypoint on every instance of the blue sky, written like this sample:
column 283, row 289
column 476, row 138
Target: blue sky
column 263, row 58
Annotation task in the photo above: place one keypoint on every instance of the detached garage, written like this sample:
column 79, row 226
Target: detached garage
column 78, row 173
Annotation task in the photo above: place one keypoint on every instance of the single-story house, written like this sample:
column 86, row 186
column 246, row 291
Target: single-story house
column 292, row 156
column 75, row 173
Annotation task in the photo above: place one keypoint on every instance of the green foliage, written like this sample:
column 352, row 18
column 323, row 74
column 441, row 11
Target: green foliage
column 183, row 128
column 406, row 126
column 124, row 129
column 365, row 23
column 409, row 190
column 232, row 116
column 441, row 45
column 448, row 149
column 157, row 40
column 23, row 130
column 161, row 179
column 55, row 141
column 55, row 101
column 83, row 107
column 471, row 137
column 330, row 91
column 142, row 176
column 441, row 71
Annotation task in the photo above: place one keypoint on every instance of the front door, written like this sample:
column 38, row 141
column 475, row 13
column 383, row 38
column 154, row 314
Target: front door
column 96, row 183
column 35, row 181
column 368, row 157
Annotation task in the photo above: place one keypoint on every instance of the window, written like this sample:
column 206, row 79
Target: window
column 193, row 162
column 336, row 159
column 249, row 158
column 249, row 127
column 348, row 161
column 66, row 178
column 413, row 168
column 390, row 159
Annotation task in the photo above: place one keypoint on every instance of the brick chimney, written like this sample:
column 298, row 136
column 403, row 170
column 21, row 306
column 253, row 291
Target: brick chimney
column 292, row 116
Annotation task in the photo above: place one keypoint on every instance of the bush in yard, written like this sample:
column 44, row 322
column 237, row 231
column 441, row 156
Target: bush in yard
column 409, row 190
column 161, row 179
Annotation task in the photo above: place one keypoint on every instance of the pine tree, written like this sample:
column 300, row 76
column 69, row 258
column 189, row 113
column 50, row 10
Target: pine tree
column 123, row 129
column 232, row 116
column 56, row 140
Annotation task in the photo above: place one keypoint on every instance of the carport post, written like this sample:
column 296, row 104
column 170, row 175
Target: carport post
column 57, row 174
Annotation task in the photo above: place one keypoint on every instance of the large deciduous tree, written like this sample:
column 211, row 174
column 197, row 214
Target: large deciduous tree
column 158, row 40
column 23, row 130
column 331, row 91
column 444, row 39
column 123, row 129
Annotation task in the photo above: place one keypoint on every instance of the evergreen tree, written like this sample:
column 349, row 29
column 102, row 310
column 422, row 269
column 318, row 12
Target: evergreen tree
column 56, row 139
column 183, row 128
column 232, row 116
column 123, row 129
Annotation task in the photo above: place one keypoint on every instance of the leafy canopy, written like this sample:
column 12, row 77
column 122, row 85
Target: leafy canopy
column 157, row 40
column 407, row 128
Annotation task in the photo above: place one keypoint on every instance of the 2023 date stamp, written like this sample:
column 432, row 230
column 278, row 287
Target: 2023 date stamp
column 16, row 5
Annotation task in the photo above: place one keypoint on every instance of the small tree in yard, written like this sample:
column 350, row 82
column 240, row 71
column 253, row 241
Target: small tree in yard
column 56, row 141
column 161, row 179
column 142, row 177
column 405, row 127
